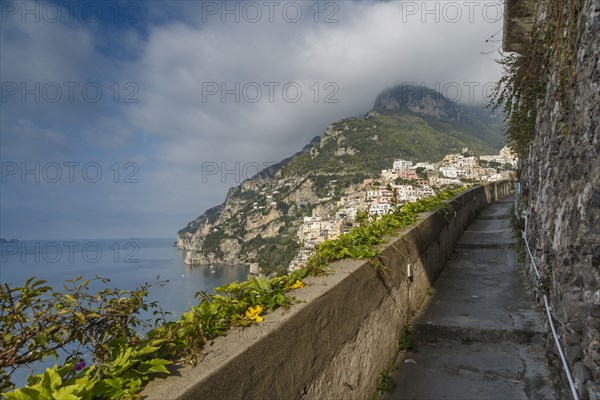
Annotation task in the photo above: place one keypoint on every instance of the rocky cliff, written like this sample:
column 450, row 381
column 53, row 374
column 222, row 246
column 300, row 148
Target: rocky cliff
column 259, row 218
column 561, row 187
column 420, row 100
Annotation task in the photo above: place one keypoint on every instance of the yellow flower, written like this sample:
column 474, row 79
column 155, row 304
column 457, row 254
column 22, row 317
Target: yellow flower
column 298, row 284
column 252, row 313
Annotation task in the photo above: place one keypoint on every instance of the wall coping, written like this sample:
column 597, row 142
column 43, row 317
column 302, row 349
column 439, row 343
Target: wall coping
column 291, row 352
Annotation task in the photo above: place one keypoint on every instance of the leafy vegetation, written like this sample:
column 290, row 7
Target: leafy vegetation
column 549, row 47
column 351, row 150
column 386, row 383
column 276, row 254
column 407, row 341
column 38, row 322
column 387, row 135
column 361, row 242
column 211, row 246
column 106, row 328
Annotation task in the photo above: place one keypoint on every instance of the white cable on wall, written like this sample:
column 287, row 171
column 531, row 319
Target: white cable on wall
column 546, row 304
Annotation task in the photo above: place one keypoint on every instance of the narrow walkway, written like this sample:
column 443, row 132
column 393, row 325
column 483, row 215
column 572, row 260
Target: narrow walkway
column 480, row 336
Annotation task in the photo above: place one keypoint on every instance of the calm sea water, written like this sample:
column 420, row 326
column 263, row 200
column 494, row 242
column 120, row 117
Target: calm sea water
column 128, row 263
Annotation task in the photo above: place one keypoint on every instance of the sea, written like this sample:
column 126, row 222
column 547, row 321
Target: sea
column 127, row 263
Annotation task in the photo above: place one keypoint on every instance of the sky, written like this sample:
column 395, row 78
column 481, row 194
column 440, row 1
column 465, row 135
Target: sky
column 127, row 119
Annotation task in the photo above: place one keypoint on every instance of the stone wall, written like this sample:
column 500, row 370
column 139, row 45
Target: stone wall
column 335, row 342
column 561, row 182
column 518, row 19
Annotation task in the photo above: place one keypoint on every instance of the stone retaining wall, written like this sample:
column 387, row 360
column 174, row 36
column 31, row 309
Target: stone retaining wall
column 561, row 186
column 335, row 343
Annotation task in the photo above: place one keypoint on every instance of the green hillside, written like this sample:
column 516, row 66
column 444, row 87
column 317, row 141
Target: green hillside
column 382, row 137
column 259, row 219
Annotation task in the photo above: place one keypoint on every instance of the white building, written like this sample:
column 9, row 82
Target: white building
column 405, row 192
column 379, row 208
column 425, row 191
column 389, row 174
column 449, row 172
column 401, row 165
column 427, row 166
column 381, row 193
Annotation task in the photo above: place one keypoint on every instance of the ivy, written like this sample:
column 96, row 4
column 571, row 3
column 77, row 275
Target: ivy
column 550, row 46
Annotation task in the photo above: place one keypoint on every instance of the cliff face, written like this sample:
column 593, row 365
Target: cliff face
column 259, row 219
column 561, row 182
column 419, row 100
column 260, row 209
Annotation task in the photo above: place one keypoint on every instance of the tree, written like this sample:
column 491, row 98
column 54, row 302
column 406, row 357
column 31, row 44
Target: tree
column 362, row 218
column 421, row 172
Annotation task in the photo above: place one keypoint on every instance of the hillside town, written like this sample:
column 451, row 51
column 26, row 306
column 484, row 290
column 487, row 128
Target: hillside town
column 410, row 182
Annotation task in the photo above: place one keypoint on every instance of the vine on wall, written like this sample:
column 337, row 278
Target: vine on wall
column 549, row 54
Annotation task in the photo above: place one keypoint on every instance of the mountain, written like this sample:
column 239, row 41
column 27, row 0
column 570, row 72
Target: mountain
column 259, row 218
column 475, row 126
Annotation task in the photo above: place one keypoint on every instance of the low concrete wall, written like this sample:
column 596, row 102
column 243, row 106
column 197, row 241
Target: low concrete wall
column 335, row 343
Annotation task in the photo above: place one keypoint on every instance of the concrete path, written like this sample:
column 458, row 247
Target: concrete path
column 480, row 335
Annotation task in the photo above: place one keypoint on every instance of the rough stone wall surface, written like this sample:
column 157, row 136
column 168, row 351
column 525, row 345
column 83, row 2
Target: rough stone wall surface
column 345, row 331
column 518, row 18
column 561, row 181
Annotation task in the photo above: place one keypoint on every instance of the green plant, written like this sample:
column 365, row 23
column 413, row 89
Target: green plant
column 386, row 383
column 119, row 378
column 361, row 242
column 276, row 254
column 376, row 263
column 429, row 291
column 407, row 341
column 37, row 322
column 550, row 46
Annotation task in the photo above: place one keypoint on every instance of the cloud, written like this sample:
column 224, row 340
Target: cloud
column 369, row 49
column 29, row 141
column 44, row 52
column 181, row 58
